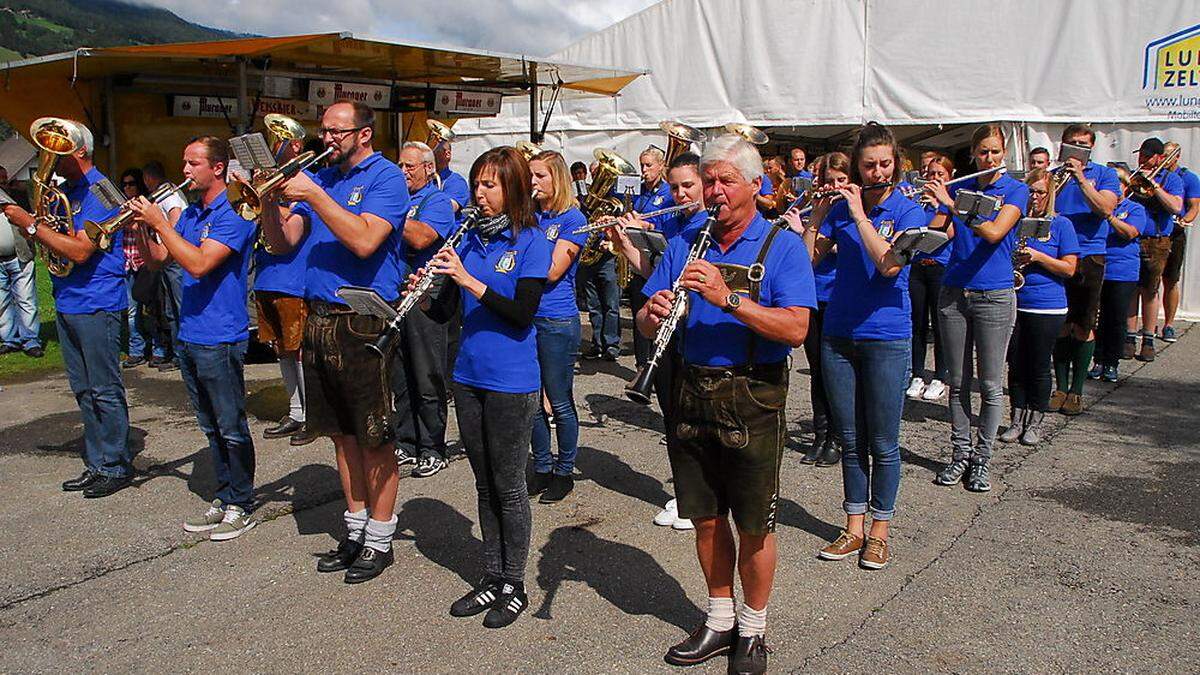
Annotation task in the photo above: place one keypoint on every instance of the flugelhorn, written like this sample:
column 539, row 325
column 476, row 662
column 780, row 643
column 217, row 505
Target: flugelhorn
column 246, row 197
column 749, row 133
column 55, row 137
column 680, row 138
column 101, row 233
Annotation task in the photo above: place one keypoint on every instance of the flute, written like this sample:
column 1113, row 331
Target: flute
column 781, row 222
column 661, row 212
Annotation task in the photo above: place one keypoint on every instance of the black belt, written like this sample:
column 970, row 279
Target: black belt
column 764, row 371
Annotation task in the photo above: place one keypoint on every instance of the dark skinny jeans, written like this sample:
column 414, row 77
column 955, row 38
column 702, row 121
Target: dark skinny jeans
column 816, row 373
column 924, row 285
column 1110, row 332
column 1029, row 353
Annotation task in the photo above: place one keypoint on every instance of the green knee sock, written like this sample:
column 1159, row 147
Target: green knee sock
column 1083, row 357
column 1062, row 363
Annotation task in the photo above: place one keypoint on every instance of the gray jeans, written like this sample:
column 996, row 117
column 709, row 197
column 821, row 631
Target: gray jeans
column 975, row 327
column 495, row 428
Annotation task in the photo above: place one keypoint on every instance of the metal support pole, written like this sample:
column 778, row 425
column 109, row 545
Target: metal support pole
column 110, row 125
column 533, row 109
column 244, row 116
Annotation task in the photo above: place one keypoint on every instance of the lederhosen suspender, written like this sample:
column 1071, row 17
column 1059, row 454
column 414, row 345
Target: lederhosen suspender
column 755, row 276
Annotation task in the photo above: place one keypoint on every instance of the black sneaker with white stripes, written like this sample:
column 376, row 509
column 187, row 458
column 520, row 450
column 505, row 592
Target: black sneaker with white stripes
column 507, row 608
column 477, row 600
column 428, row 466
column 403, row 457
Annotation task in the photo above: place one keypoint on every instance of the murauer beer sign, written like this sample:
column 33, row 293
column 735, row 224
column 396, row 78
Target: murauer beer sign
column 325, row 93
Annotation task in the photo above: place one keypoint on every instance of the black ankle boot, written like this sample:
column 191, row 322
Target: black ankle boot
column 703, row 644
column 812, row 452
column 830, row 455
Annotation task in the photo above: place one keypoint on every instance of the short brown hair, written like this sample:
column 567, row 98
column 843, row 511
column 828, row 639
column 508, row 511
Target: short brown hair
column 364, row 116
column 1076, row 129
column 215, row 149
column 986, row 131
column 512, row 172
column 833, row 161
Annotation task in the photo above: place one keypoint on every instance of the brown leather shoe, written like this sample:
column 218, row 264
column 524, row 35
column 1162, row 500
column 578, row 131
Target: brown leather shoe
column 1056, row 401
column 1073, row 405
column 1147, row 353
column 843, row 547
column 874, row 554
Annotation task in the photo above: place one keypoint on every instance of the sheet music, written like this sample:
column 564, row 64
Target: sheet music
column 108, row 194
column 252, row 151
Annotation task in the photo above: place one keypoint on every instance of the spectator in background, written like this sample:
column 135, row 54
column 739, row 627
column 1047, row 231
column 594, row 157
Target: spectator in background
column 140, row 336
column 18, row 290
column 1039, row 158
column 165, row 336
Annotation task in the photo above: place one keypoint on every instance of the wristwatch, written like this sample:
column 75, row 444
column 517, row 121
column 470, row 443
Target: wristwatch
column 732, row 302
column 31, row 228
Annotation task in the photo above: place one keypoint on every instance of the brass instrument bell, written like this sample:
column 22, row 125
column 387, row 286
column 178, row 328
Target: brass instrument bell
column 528, row 149
column 680, row 138
column 55, row 137
column 750, row 134
column 439, row 132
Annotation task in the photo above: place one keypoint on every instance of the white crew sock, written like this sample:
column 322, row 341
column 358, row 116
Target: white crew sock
column 293, row 384
column 720, row 614
column 752, row 621
column 356, row 524
column 379, row 534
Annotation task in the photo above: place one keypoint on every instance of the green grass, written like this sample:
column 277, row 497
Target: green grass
column 17, row 367
column 44, row 23
column 7, row 54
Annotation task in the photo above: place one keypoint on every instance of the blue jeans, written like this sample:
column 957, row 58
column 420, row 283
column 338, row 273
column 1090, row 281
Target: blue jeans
column 865, row 382
column 18, row 295
column 91, row 349
column 603, row 303
column 138, row 336
column 558, row 347
column 173, row 275
column 216, row 383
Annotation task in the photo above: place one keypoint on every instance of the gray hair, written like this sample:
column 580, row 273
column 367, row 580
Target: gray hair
column 426, row 152
column 735, row 151
column 89, row 141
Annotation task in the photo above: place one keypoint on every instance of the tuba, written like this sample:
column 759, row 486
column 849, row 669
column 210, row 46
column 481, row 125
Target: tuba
column 55, row 137
column 680, row 138
column 598, row 203
column 246, row 197
column 749, row 133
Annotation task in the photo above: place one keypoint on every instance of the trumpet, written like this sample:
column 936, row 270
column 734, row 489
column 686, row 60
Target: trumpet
column 246, row 197
column 101, row 233
column 638, row 391
column 55, row 137
column 528, row 149
column 605, row 224
column 425, row 281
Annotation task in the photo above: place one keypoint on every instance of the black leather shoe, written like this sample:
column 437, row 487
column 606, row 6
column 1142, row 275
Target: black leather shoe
column 701, row 645
column 557, row 489
column 813, row 452
column 35, row 352
column 537, row 483
column 830, row 455
column 76, row 484
column 340, row 558
column 105, row 486
column 370, row 564
column 286, row 427
column 302, row 437
column 749, row 656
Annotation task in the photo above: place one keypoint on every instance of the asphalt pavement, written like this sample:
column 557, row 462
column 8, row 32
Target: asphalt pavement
column 1082, row 558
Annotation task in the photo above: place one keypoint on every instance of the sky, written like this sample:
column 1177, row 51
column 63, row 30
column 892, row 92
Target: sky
column 533, row 27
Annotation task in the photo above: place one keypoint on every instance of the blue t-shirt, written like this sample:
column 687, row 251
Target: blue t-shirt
column 825, row 275
column 1162, row 221
column 865, row 304
column 766, row 189
column 283, row 273
column 558, row 301
column 97, row 285
column 455, row 187
column 942, row 255
column 493, row 354
column 652, row 200
column 212, row 309
column 1043, row 289
column 1123, row 261
column 712, row 337
column 374, row 186
column 432, row 207
column 974, row 263
column 1090, row 228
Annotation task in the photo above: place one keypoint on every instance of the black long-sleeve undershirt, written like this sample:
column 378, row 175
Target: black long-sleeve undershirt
column 517, row 310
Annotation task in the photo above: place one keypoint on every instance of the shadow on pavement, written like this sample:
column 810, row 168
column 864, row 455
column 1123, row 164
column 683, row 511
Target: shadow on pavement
column 931, row 465
column 792, row 514
column 612, row 473
column 627, row 577
column 443, row 536
column 921, row 411
column 645, row 417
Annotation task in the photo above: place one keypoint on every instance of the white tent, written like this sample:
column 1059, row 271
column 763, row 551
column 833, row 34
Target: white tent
column 809, row 71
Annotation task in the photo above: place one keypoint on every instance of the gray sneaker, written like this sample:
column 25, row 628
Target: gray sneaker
column 977, row 477
column 207, row 520
column 1033, row 428
column 235, row 523
column 953, row 473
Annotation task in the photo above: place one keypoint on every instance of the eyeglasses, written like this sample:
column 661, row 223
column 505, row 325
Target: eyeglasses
column 337, row 133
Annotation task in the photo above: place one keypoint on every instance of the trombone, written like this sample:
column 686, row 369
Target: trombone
column 246, row 197
column 1141, row 184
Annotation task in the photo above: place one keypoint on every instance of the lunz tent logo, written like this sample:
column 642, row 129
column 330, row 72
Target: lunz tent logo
column 1171, row 67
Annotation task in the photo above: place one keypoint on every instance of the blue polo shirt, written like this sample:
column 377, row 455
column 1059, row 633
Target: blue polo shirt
column 654, row 199
column 865, row 304
column 212, row 309
column 1044, row 290
column 942, row 255
column 98, row 285
column 1123, row 261
column 805, row 174
column 558, row 301
column 283, row 273
column 766, row 189
column 677, row 223
column 493, row 354
column 825, row 275
column 1191, row 185
column 974, row 263
column 1162, row 221
column 374, row 186
column 455, row 187
column 1090, row 228
column 432, row 207
column 712, row 337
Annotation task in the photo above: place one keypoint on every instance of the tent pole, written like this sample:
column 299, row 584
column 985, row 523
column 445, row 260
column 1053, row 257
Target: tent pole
column 110, row 125
column 533, row 92
column 242, row 99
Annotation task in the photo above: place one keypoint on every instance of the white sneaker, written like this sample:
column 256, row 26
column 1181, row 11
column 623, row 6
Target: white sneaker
column 915, row 387
column 682, row 524
column 668, row 515
column 934, row 391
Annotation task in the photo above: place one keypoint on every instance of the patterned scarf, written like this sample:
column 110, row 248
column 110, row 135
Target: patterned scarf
column 488, row 228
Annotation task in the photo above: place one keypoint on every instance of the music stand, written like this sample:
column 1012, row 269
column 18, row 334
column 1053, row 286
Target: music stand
column 366, row 302
column 972, row 206
column 917, row 240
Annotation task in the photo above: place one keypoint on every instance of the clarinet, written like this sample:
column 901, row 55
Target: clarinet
column 638, row 391
column 425, row 281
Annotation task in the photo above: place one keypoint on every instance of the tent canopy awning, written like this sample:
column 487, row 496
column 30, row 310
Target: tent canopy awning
column 328, row 55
